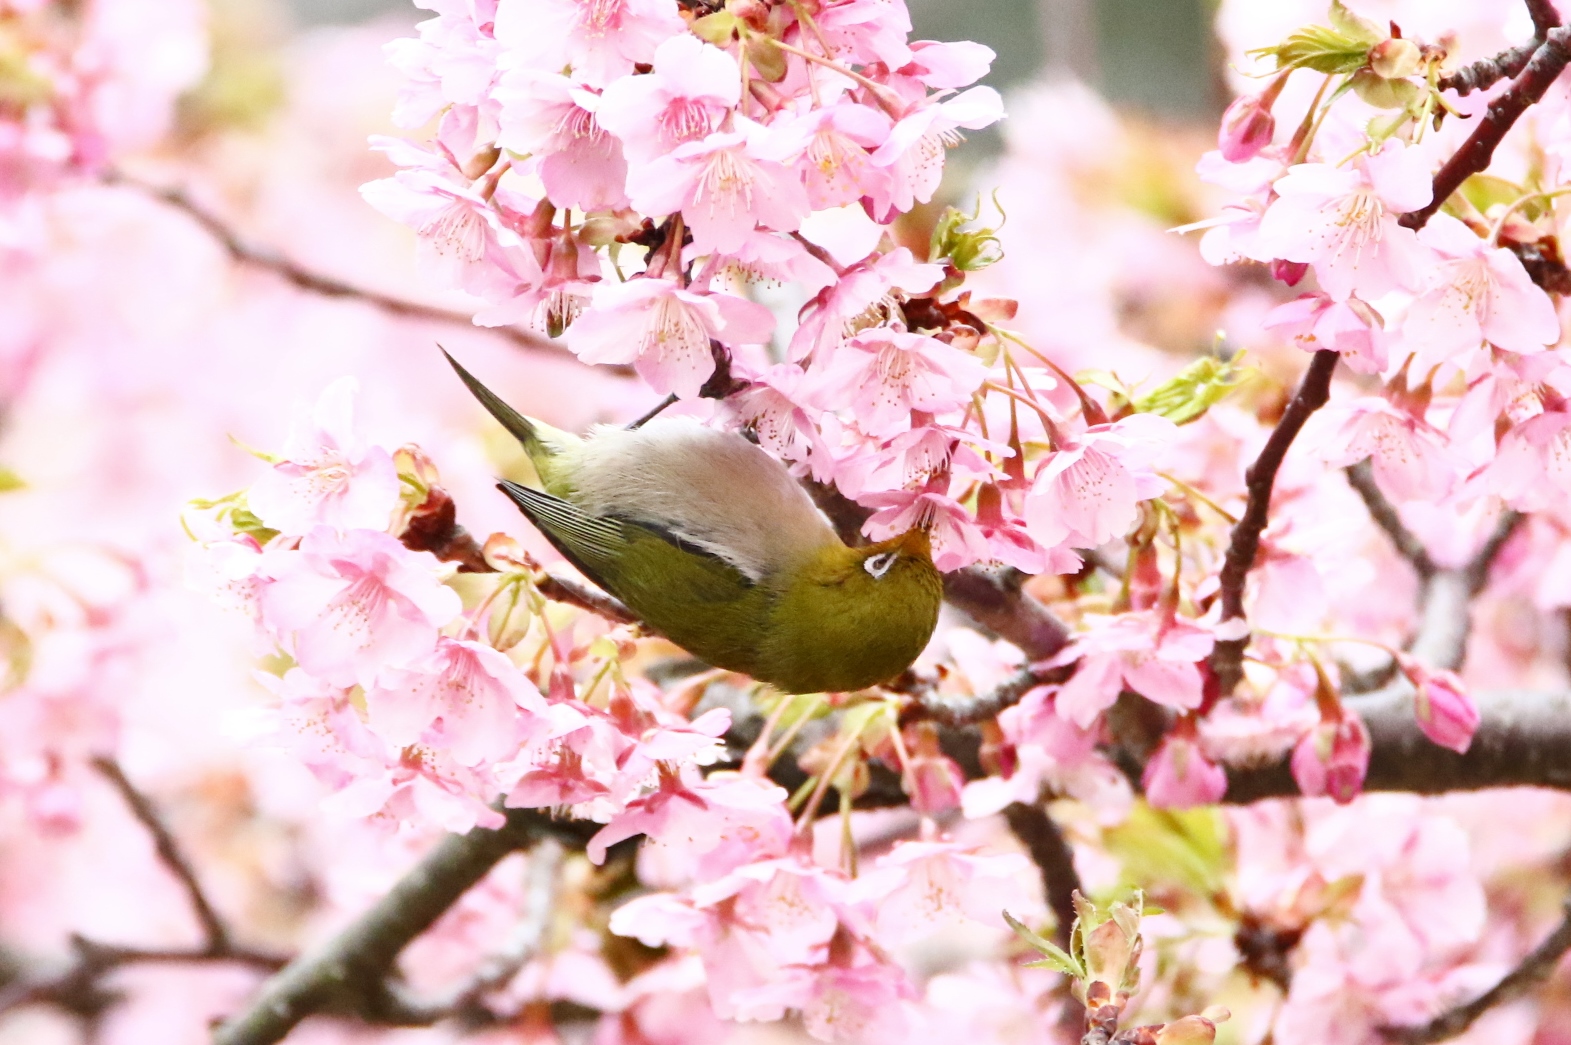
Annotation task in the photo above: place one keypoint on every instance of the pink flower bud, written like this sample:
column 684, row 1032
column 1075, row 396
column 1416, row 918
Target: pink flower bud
column 1289, row 272
column 1333, row 758
column 1445, row 712
column 1180, row 777
column 1190, row 1030
column 1247, row 127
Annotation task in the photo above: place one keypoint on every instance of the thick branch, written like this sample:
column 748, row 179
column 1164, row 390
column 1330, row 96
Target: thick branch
column 247, row 253
column 1244, row 543
column 348, row 974
column 1533, row 970
column 1054, row 858
column 997, row 600
column 980, row 708
column 1486, row 72
column 1542, row 69
column 1544, row 16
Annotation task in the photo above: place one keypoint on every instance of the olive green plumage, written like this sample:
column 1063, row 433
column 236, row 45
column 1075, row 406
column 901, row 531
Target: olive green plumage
column 710, row 541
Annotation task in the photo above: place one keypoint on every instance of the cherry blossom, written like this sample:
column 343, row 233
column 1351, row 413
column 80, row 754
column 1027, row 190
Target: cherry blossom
column 1180, row 776
column 1342, row 221
column 557, row 121
column 354, row 605
column 600, row 39
column 882, row 374
column 1150, row 653
column 1350, row 328
column 723, row 186
column 1087, row 492
column 328, row 475
column 692, row 88
column 664, row 331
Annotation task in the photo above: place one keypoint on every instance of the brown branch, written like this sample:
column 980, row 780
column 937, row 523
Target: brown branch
column 1544, row 16
column 559, row 588
column 1533, row 970
column 997, row 600
column 1476, row 572
column 1243, row 544
column 213, row 929
column 1361, row 478
column 1486, row 72
column 79, row 987
column 246, row 253
column 349, row 974
column 1054, row 859
column 971, row 710
column 1546, row 64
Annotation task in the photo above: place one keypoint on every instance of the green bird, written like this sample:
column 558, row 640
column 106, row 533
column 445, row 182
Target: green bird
column 713, row 544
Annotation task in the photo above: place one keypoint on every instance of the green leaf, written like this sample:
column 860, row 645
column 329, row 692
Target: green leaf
column 1353, row 26
column 1193, row 390
column 1053, row 956
column 1486, row 190
column 717, row 28
column 1319, row 48
column 1386, row 94
column 9, row 480
column 967, row 249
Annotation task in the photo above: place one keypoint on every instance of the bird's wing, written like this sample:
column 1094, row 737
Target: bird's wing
column 591, row 542
column 520, row 426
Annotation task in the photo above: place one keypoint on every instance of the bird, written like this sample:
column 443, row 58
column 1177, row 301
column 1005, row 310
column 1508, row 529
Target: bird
column 712, row 543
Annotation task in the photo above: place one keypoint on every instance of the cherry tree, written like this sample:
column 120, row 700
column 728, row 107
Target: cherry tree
column 1247, row 715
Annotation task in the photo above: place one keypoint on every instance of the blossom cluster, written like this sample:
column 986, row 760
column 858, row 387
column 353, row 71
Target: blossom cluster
column 631, row 175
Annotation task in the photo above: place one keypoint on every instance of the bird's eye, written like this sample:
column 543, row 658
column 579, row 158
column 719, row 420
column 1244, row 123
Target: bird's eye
column 879, row 564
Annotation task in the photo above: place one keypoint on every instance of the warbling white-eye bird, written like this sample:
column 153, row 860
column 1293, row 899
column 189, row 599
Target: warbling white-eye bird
column 710, row 541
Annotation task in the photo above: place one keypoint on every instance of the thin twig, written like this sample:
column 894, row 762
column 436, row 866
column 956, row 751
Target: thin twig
column 1361, row 478
column 1476, row 572
column 349, row 974
column 214, row 931
column 1050, row 851
column 1533, row 970
column 247, row 253
column 1486, row 72
column 559, row 588
column 971, row 710
column 1243, row 544
column 1548, row 60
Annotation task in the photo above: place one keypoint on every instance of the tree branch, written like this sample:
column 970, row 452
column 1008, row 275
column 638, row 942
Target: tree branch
column 246, row 253
column 1541, row 70
column 349, row 973
column 214, row 931
column 79, row 987
column 1544, row 16
column 1486, row 72
column 1054, row 858
column 1361, row 478
column 1533, row 970
column 1228, row 656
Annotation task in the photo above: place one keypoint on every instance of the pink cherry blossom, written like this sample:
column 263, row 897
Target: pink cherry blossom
column 1180, row 776
column 1409, row 457
column 464, row 697
column 1351, row 328
column 714, row 825
column 956, row 539
column 1147, row 652
column 882, row 374
column 1247, row 128
column 557, row 121
column 664, row 331
column 1532, row 470
column 834, row 148
column 328, row 475
column 865, row 296
column 453, row 61
column 843, row 1003
column 600, row 39
column 948, row 64
column 776, row 408
column 915, row 149
column 1088, row 491
column 1476, row 293
column 723, row 186
column 687, row 96
column 921, row 888
column 1343, row 221
column 354, row 605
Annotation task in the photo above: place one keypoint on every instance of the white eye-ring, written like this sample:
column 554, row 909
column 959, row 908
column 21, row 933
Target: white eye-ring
column 879, row 564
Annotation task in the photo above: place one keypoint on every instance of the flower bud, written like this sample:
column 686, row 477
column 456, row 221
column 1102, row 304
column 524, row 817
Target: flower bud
column 1190, row 1030
column 1333, row 758
column 935, row 779
column 1247, row 127
column 1445, row 712
column 1289, row 272
column 1394, row 59
column 1180, row 777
